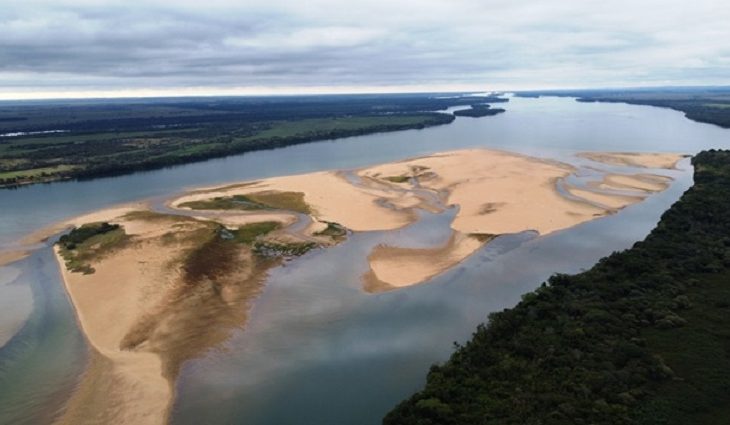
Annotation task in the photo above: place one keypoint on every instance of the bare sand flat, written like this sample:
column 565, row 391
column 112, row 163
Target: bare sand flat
column 496, row 192
column 124, row 288
column 168, row 292
column 176, row 285
column 609, row 201
column 645, row 182
column 331, row 197
column 644, row 160
column 394, row 267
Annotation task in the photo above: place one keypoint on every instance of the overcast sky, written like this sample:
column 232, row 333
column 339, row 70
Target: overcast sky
column 66, row 48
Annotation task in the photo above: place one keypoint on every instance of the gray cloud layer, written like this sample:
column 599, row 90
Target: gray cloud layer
column 214, row 45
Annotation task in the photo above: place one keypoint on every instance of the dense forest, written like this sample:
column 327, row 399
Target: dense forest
column 46, row 141
column 641, row 338
column 703, row 104
column 479, row 110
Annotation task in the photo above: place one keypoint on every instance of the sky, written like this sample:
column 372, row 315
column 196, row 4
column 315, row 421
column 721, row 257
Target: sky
column 87, row 48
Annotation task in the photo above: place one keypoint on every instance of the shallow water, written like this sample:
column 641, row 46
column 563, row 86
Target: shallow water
column 317, row 349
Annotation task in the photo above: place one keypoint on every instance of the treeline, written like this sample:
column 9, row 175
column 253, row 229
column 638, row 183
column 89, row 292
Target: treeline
column 479, row 110
column 229, row 146
column 641, row 338
column 114, row 157
column 144, row 115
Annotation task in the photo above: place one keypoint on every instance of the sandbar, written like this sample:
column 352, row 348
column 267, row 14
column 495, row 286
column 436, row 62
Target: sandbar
column 633, row 159
column 178, row 285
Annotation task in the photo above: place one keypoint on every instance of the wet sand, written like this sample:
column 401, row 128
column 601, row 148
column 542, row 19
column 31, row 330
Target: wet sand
column 632, row 159
column 170, row 292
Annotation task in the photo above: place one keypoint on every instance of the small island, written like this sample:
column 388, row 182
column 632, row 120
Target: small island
column 479, row 110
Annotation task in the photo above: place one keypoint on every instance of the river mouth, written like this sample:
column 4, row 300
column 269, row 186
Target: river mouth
column 313, row 337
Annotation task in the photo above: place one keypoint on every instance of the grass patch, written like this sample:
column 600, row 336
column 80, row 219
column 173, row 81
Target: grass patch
column 248, row 233
column 89, row 242
column 35, row 173
column 281, row 249
column 236, row 202
column 291, row 201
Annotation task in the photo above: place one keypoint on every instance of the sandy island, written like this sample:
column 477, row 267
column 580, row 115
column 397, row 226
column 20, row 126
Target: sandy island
column 166, row 286
column 632, row 159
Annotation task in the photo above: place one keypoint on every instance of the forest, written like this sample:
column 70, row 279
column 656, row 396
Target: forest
column 43, row 141
column 641, row 338
column 478, row 110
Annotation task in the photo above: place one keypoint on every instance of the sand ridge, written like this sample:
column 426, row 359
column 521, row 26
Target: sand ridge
column 634, row 159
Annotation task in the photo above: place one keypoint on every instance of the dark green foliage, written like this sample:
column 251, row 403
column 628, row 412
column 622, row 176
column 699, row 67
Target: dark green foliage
column 479, row 110
column 78, row 235
column 86, row 244
column 641, row 338
column 120, row 136
column 248, row 233
column 281, row 249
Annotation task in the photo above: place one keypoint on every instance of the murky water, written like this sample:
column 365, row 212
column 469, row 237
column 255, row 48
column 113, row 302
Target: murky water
column 317, row 349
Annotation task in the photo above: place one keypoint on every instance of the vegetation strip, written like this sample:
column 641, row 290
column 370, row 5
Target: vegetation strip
column 92, row 140
column 84, row 243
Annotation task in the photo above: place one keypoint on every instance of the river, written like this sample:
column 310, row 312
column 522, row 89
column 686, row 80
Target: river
column 317, row 350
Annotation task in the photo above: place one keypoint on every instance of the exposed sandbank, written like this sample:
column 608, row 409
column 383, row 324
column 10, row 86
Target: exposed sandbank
column 174, row 288
column 394, row 267
column 632, row 159
column 497, row 192
column 177, row 287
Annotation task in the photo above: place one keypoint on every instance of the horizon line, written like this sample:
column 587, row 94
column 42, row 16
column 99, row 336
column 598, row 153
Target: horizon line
column 194, row 92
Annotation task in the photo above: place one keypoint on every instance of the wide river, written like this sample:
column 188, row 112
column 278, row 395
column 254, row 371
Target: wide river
column 317, row 349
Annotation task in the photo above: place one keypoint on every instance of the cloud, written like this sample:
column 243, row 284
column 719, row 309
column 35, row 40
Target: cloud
column 84, row 46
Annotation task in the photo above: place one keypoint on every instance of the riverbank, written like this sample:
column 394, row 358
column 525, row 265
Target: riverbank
column 161, row 288
column 158, row 290
column 642, row 334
